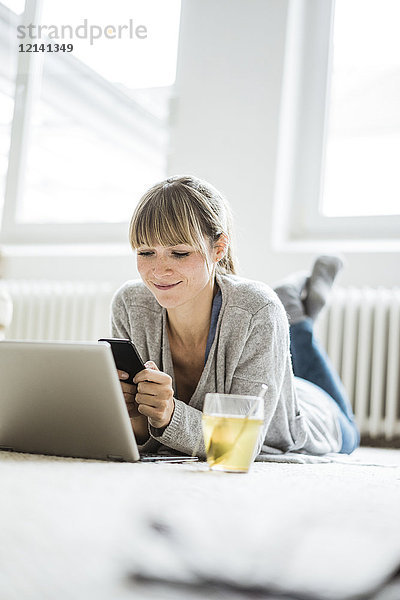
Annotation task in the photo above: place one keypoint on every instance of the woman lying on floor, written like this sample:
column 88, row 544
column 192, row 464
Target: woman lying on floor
column 203, row 329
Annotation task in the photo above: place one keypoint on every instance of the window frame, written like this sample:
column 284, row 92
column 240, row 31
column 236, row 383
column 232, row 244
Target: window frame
column 304, row 116
column 146, row 127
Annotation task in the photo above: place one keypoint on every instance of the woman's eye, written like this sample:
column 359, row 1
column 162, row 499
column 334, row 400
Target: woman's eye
column 151, row 253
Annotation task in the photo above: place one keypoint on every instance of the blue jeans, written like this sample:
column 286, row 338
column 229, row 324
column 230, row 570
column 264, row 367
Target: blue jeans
column 310, row 362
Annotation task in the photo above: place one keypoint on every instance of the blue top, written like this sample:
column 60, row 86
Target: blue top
column 216, row 307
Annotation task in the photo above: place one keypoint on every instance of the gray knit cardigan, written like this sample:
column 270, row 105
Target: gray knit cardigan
column 251, row 347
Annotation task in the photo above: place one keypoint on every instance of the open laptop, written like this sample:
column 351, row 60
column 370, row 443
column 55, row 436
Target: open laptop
column 65, row 399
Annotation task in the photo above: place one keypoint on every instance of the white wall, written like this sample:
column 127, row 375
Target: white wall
column 102, row 263
column 225, row 129
column 225, row 125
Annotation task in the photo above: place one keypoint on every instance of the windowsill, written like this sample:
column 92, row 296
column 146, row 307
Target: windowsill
column 18, row 250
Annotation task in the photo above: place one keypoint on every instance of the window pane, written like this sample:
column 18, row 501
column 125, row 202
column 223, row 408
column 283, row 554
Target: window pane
column 8, row 69
column 99, row 126
column 17, row 6
column 6, row 111
column 362, row 175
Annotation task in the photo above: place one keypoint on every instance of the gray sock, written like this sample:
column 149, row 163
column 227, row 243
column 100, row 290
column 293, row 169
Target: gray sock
column 319, row 286
column 290, row 291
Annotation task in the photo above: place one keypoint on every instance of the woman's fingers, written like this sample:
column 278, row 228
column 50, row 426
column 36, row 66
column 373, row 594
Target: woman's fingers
column 129, row 392
column 122, row 375
column 147, row 388
column 128, row 388
column 158, row 416
column 151, row 365
column 147, row 411
column 155, row 396
column 131, row 405
column 152, row 375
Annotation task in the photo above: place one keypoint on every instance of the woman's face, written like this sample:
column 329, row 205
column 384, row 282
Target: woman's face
column 175, row 275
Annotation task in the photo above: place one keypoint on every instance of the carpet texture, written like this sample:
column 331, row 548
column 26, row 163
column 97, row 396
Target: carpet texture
column 75, row 529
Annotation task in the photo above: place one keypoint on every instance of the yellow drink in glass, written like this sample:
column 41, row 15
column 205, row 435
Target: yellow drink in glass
column 230, row 439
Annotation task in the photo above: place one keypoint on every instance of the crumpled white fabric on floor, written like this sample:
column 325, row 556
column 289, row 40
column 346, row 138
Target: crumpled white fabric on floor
column 73, row 529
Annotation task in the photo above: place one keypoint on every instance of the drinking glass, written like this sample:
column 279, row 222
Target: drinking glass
column 231, row 426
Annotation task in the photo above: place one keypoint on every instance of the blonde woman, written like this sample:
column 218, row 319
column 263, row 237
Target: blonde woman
column 201, row 328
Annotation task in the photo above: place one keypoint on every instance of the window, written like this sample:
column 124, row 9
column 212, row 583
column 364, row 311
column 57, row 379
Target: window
column 8, row 70
column 90, row 128
column 341, row 121
column 362, row 175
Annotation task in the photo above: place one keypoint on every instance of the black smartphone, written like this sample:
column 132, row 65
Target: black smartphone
column 126, row 357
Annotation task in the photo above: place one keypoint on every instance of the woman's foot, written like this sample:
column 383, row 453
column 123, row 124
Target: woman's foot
column 290, row 292
column 319, row 285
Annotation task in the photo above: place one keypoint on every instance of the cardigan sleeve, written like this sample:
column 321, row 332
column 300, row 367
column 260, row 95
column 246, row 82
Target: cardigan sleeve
column 184, row 432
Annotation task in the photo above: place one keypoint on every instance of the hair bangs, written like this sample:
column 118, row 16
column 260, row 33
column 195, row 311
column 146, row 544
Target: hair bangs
column 165, row 218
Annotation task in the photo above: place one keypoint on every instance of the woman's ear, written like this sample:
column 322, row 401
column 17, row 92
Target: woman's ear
column 221, row 247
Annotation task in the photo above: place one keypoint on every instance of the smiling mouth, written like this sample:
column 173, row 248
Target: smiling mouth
column 166, row 287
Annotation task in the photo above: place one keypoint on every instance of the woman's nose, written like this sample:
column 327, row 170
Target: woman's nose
column 161, row 266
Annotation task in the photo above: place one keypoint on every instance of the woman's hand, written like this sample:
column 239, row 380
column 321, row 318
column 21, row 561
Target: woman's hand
column 138, row 421
column 129, row 392
column 155, row 396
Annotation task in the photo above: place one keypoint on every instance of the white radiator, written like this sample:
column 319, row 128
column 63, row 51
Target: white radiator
column 59, row 310
column 360, row 330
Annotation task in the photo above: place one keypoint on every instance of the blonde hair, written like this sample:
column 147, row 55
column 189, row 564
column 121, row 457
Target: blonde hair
column 183, row 210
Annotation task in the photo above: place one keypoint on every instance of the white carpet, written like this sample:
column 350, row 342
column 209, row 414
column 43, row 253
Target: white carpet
column 73, row 529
